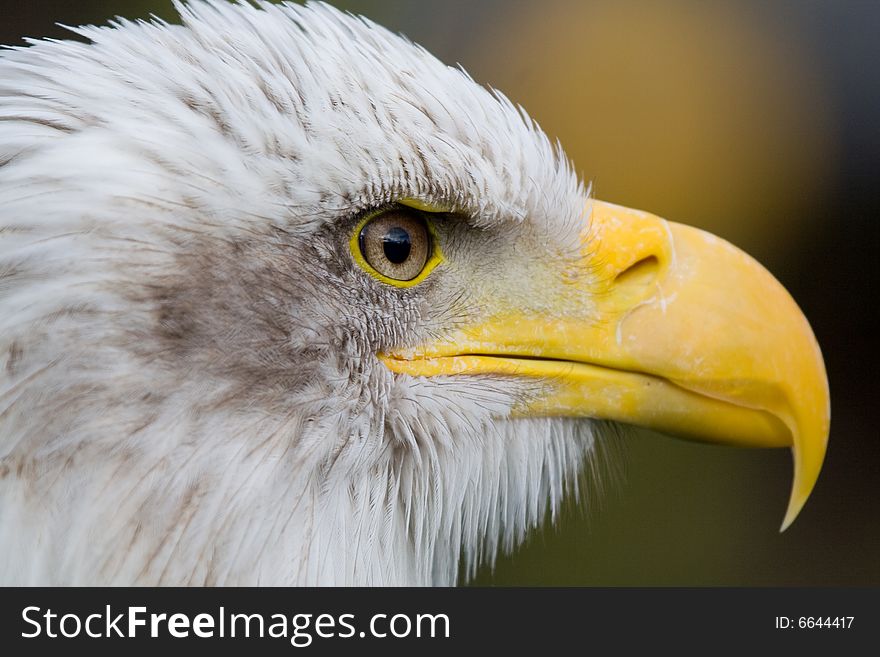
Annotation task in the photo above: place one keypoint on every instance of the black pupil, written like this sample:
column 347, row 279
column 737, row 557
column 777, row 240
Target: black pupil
column 397, row 244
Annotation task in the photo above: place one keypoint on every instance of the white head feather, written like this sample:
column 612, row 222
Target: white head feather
column 189, row 389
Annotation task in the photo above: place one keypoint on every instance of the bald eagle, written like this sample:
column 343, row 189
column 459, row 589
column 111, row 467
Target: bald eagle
column 285, row 300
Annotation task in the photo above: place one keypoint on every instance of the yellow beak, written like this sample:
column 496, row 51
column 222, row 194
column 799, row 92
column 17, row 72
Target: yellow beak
column 672, row 329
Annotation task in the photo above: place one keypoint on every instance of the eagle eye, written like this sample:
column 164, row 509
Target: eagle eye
column 396, row 246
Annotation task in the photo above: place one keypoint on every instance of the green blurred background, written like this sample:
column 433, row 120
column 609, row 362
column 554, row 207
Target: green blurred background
column 759, row 121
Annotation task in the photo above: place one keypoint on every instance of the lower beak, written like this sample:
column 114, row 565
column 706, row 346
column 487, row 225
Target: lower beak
column 673, row 329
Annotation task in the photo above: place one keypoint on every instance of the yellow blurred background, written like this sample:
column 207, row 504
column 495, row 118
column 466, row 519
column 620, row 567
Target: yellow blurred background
column 755, row 120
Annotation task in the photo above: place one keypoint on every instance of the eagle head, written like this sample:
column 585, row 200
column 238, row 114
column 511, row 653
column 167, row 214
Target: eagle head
column 285, row 300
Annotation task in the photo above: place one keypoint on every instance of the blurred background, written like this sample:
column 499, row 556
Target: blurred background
column 757, row 120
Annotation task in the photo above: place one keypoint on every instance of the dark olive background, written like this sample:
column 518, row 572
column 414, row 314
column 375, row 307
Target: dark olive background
column 757, row 120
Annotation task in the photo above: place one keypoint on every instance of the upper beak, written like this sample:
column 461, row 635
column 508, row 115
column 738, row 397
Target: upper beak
column 675, row 330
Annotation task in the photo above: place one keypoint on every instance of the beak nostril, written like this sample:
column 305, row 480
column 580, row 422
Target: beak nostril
column 639, row 273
